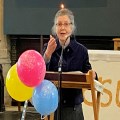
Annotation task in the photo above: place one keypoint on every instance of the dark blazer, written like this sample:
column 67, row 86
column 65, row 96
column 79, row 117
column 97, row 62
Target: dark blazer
column 75, row 58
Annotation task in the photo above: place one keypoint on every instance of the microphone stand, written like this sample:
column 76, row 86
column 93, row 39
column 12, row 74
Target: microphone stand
column 60, row 80
column 59, row 83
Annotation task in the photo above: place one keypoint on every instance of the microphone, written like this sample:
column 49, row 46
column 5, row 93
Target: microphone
column 61, row 56
column 60, row 60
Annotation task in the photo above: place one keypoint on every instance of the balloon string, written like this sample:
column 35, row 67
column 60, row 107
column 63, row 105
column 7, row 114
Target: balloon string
column 43, row 117
column 24, row 110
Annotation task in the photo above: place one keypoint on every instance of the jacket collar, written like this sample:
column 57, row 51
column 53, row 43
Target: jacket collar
column 72, row 45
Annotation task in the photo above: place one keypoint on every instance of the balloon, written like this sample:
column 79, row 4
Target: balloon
column 45, row 98
column 31, row 68
column 16, row 89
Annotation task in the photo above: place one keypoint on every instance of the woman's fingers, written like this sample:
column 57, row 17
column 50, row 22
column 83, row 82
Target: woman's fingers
column 52, row 42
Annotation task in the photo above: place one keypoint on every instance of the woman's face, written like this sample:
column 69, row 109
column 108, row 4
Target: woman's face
column 63, row 28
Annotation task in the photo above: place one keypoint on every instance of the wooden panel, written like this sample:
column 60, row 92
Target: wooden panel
column 116, row 43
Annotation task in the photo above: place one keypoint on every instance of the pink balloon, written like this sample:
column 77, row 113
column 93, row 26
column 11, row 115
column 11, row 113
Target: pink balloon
column 31, row 68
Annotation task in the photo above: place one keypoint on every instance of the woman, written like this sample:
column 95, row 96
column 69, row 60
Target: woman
column 74, row 58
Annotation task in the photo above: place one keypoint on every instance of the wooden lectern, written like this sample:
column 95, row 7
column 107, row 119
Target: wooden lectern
column 77, row 80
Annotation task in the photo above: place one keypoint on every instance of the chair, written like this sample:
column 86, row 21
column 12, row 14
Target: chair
column 116, row 43
column 77, row 80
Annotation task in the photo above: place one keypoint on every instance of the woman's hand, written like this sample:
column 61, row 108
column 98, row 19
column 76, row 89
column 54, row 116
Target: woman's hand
column 50, row 48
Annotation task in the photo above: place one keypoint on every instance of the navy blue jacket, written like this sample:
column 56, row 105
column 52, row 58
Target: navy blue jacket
column 75, row 58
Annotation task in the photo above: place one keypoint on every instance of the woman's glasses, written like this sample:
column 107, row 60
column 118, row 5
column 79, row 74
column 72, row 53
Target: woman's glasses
column 63, row 24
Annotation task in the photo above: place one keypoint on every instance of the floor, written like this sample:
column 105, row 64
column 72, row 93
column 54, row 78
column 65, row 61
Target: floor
column 12, row 113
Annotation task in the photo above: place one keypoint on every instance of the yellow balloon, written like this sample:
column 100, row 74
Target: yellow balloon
column 16, row 89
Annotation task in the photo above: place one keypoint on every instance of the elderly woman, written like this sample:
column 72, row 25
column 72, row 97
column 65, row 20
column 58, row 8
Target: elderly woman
column 74, row 58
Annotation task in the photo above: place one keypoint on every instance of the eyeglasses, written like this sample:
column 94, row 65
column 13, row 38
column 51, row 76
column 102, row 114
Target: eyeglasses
column 64, row 24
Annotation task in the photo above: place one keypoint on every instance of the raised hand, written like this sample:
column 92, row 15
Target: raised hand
column 51, row 47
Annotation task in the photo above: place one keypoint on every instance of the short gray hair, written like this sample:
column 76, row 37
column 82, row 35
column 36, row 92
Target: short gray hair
column 63, row 12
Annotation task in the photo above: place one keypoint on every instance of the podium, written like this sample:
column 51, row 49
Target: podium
column 77, row 80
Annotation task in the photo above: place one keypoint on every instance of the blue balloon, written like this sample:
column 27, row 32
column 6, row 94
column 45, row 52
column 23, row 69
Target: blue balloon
column 45, row 98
